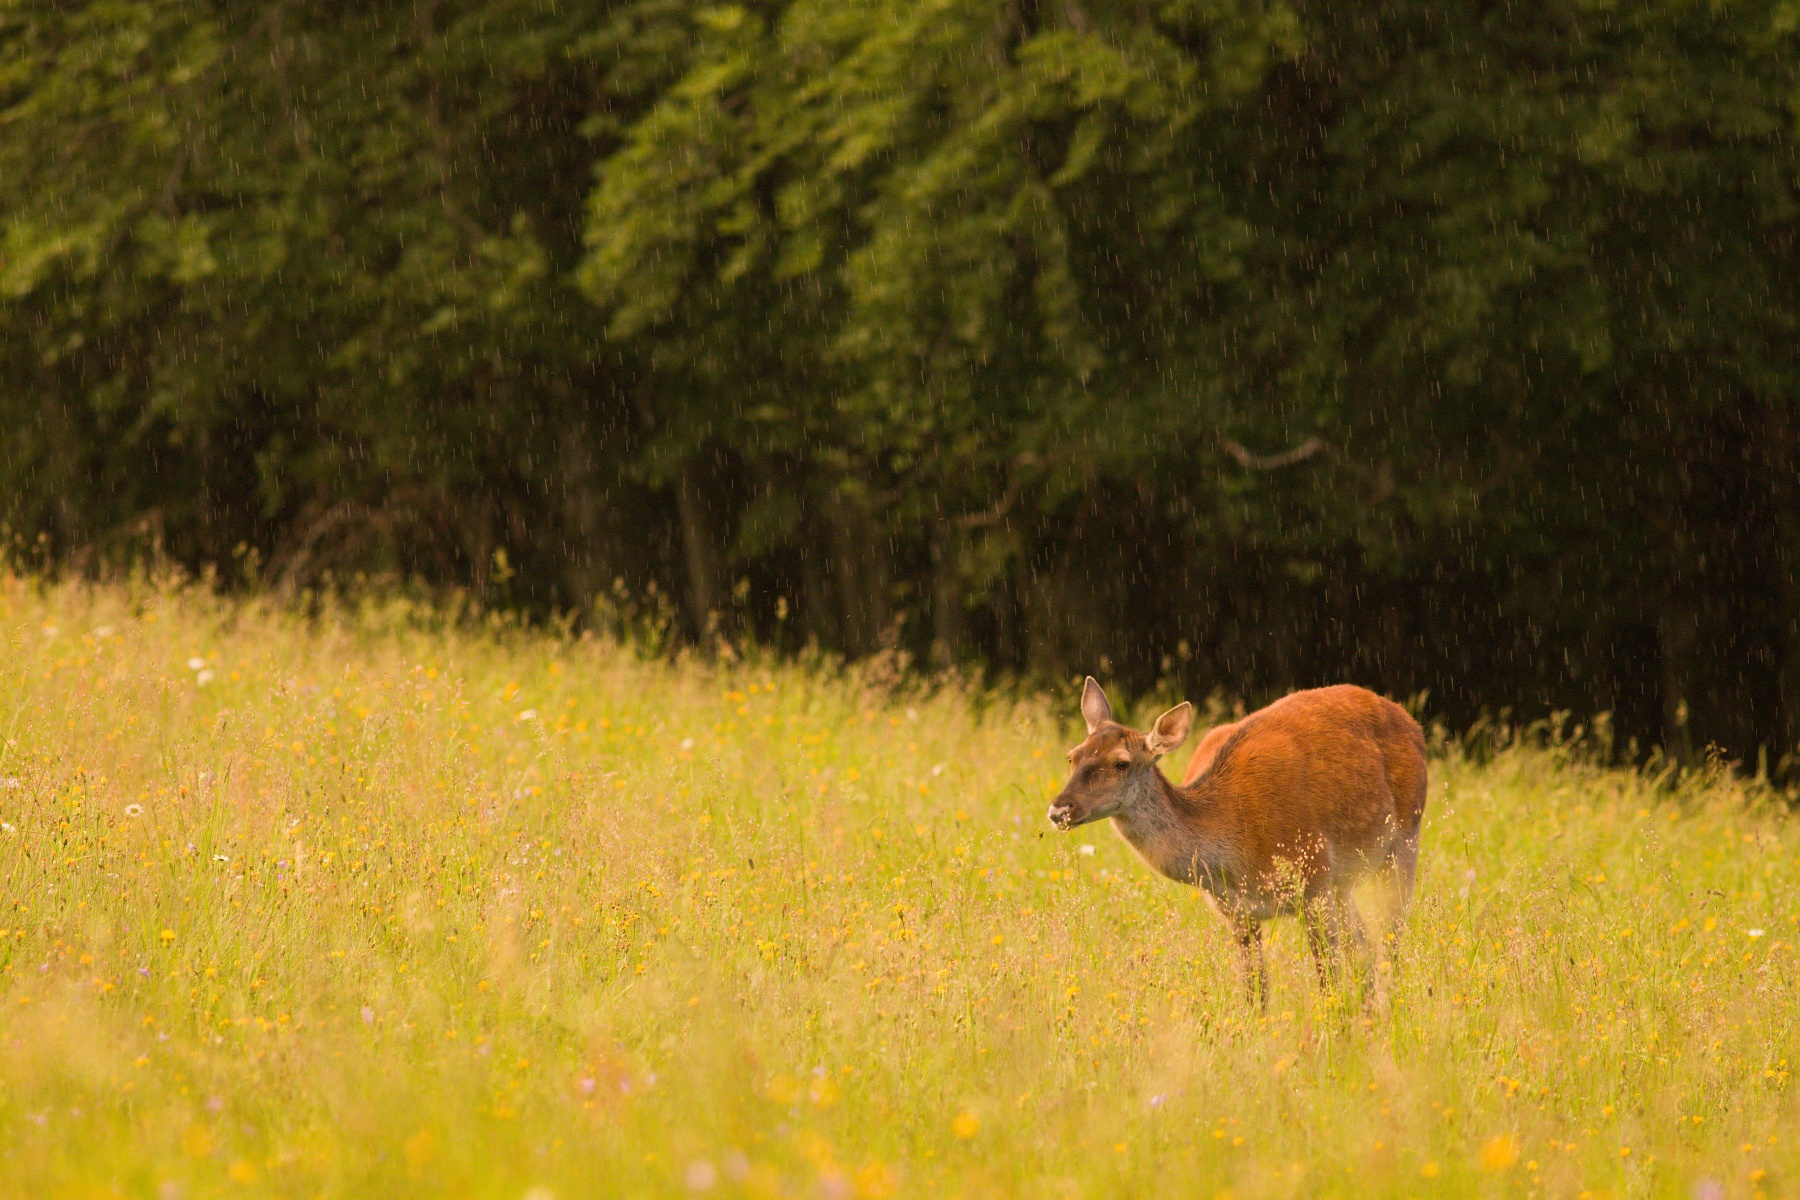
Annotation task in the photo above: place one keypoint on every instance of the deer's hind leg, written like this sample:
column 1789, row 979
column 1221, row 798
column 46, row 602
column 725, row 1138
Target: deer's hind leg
column 1331, row 920
column 1407, row 783
column 1396, row 880
column 1402, row 869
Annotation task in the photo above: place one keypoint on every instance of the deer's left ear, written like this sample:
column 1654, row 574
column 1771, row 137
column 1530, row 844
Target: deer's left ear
column 1170, row 730
column 1094, row 707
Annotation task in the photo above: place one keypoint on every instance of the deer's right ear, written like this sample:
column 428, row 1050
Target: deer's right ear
column 1094, row 708
column 1171, row 729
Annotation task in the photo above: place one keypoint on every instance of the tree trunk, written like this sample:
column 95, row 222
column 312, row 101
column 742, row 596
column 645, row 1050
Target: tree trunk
column 1678, row 633
column 844, row 576
column 878, row 583
column 700, row 548
column 1787, row 586
column 949, row 616
column 476, row 532
column 817, row 566
column 1047, row 622
column 582, row 570
column 860, row 568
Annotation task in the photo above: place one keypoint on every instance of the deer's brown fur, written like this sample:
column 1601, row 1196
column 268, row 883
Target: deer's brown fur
column 1282, row 811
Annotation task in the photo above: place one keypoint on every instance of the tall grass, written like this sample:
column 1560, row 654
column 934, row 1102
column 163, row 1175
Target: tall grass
column 380, row 905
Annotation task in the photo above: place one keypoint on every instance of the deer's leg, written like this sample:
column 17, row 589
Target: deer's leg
column 1402, row 869
column 1323, row 929
column 1256, row 967
column 1332, row 920
column 1364, row 956
column 1350, row 922
column 1405, row 861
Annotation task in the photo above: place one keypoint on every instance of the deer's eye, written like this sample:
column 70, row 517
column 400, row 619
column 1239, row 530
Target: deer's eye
column 1122, row 765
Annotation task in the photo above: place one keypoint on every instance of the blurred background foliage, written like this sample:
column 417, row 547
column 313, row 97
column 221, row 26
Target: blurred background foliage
column 1202, row 344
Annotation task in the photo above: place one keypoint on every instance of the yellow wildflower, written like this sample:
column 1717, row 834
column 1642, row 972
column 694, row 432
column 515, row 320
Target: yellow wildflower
column 1499, row 1153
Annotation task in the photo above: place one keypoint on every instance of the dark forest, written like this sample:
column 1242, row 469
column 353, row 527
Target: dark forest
column 1208, row 346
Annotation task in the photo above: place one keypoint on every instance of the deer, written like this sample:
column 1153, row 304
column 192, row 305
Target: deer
column 1281, row 812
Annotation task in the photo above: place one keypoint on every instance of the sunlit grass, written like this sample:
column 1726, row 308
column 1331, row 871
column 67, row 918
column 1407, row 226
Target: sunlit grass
column 375, row 906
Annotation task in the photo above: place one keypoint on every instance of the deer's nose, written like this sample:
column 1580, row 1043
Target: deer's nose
column 1059, row 815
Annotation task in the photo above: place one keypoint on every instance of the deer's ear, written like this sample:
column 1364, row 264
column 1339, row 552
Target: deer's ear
column 1094, row 708
column 1170, row 730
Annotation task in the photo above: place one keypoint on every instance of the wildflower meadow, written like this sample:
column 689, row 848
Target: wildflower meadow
column 383, row 901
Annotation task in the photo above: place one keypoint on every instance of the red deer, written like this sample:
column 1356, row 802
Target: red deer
column 1283, row 811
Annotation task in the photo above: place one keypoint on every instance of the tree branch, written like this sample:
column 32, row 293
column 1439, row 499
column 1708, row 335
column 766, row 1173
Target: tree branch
column 1273, row 462
column 997, row 514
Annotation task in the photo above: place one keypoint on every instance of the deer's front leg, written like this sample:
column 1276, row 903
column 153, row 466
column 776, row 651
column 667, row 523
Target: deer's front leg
column 1255, row 966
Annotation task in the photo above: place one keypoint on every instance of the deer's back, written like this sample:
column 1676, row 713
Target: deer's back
column 1333, row 777
column 1207, row 750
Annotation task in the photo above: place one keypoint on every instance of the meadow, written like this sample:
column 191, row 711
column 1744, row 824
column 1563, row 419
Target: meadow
column 380, row 903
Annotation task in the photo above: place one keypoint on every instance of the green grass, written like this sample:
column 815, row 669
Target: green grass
column 390, row 907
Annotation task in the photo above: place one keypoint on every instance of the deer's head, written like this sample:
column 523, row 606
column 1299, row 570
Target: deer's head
column 1111, row 767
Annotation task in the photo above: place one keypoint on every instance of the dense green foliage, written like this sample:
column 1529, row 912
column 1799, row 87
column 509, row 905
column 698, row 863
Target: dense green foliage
column 1226, row 343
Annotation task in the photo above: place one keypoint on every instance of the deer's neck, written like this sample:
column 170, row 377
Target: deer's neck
column 1175, row 829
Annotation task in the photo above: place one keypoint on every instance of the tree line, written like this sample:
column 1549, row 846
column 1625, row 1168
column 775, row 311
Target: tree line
column 1226, row 345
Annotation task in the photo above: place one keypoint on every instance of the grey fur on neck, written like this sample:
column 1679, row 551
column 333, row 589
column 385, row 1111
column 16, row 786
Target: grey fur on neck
column 1165, row 838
